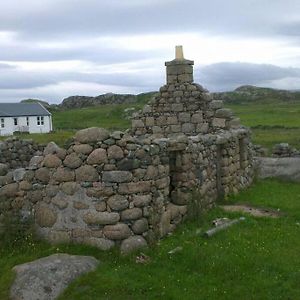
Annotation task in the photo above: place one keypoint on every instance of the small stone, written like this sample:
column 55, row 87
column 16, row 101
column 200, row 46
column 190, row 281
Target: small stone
column 101, row 218
column 51, row 148
column 218, row 122
column 115, row 152
column 51, row 161
column 43, row 175
column 141, row 200
column 63, row 175
column 225, row 113
column 69, row 188
column 25, row 185
column 59, row 202
column 86, row 173
column 119, row 231
column 128, row 164
column 116, row 176
column 18, row 174
column 117, row 202
column 140, row 226
column 83, row 149
column 98, row 156
column 133, row 243
column 9, row 190
column 35, row 162
column 45, row 216
column 72, row 161
column 3, row 169
column 131, row 214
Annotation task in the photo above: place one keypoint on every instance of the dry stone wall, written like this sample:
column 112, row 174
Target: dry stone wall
column 16, row 153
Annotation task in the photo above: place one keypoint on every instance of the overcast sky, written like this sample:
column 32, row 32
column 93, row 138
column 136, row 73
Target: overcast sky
column 51, row 49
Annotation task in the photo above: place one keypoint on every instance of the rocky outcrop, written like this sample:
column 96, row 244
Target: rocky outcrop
column 248, row 93
column 46, row 278
column 84, row 101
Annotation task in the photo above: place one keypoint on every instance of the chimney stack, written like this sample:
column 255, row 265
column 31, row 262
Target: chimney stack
column 179, row 70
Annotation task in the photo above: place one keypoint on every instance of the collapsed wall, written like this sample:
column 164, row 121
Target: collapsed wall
column 130, row 189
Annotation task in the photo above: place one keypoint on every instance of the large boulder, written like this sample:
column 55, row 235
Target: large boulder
column 285, row 168
column 47, row 277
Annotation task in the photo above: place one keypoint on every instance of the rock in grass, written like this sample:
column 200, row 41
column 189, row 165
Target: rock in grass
column 133, row 243
column 46, row 278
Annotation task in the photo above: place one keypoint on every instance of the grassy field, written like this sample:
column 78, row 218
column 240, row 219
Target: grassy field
column 271, row 122
column 256, row 259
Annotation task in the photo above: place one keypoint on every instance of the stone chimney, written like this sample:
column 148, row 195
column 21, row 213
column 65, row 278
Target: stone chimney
column 179, row 70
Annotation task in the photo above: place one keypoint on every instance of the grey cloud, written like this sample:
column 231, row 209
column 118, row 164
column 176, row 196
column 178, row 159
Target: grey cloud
column 19, row 82
column 98, row 53
column 56, row 19
column 6, row 66
column 227, row 76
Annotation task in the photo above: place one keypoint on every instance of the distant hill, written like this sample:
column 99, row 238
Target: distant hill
column 50, row 107
column 44, row 103
column 248, row 93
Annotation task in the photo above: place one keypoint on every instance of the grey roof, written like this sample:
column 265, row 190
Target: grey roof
column 23, row 109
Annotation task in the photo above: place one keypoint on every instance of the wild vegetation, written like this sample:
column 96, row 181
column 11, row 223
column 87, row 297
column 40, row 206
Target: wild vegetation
column 255, row 259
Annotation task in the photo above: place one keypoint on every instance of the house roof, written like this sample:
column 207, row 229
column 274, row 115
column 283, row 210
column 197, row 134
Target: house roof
column 23, row 109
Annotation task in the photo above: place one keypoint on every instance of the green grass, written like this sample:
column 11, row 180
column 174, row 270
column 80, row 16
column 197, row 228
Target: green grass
column 272, row 122
column 269, row 114
column 256, row 259
column 107, row 116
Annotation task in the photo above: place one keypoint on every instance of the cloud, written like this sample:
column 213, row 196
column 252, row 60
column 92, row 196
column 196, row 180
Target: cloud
column 51, row 45
column 227, row 76
column 6, row 66
column 58, row 18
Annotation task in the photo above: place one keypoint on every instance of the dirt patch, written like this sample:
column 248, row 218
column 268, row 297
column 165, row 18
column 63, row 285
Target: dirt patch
column 254, row 211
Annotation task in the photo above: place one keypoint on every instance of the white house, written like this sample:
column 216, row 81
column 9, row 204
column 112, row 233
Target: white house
column 24, row 117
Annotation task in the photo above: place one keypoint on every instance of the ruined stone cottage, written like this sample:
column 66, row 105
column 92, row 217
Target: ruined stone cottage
column 129, row 189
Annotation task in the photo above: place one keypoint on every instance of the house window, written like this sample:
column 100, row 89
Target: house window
column 16, row 121
column 40, row 120
column 2, row 123
column 27, row 121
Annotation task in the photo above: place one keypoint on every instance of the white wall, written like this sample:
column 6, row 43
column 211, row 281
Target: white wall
column 10, row 128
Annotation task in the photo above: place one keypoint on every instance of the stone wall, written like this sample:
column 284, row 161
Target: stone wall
column 116, row 189
column 16, row 153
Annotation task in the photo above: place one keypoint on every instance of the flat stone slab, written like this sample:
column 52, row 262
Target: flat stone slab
column 285, row 168
column 47, row 277
column 254, row 211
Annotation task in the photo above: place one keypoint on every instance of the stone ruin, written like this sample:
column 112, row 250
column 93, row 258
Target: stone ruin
column 131, row 188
